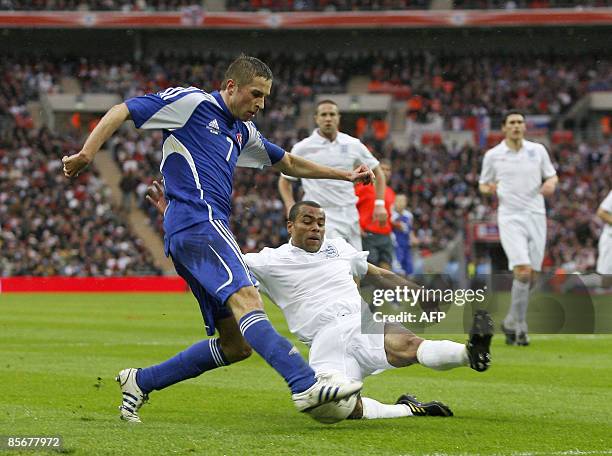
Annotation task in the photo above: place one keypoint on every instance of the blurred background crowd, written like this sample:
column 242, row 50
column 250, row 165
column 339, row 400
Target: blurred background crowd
column 51, row 225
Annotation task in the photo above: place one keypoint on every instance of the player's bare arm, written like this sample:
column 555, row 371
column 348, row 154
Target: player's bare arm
column 300, row 167
column 549, row 185
column 385, row 279
column 286, row 191
column 380, row 184
column 488, row 188
column 605, row 215
column 108, row 125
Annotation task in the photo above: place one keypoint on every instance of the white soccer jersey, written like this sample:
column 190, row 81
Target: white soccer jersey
column 606, row 205
column 604, row 260
column 310, row 288
column 345, row 152
column 518, row 175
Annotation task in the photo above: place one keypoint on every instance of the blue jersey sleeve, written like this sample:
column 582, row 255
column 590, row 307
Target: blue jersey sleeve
column 167, row 110
column 257, row 151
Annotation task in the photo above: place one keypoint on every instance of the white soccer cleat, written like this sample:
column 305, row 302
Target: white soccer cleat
column 328, row 388
column 133, row 397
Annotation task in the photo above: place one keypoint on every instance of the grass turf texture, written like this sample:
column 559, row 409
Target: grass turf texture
column 59, row 354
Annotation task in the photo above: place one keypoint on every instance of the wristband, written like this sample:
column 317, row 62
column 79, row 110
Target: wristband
column 379, row 202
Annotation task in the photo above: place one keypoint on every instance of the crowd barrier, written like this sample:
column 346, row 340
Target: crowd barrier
column 158, row 284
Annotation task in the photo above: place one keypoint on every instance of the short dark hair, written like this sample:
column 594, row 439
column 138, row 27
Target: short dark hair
column 244, row 69
column 326, row 101
column 511, row 113
column 295, row 209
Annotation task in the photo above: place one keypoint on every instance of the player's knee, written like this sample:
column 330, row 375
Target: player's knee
column 401, row 348
column 523, row 273
column 244, row 301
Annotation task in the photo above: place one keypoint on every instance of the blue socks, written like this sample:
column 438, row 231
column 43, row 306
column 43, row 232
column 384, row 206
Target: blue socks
column 207, row 355
column 197, row 359
column 277, row 351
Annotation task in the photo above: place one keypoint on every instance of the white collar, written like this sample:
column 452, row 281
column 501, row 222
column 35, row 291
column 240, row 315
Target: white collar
column 294, row 248
column 323, row 139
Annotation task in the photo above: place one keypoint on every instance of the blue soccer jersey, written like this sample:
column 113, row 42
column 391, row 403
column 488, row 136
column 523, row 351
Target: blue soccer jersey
column 401, row 240
column 203, row 144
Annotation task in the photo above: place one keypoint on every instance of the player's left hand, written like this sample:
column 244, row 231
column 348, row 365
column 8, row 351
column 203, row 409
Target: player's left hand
column 362, row 174
column 547, row 189
column 155, row 196
column 380, row 215
column 74, row 164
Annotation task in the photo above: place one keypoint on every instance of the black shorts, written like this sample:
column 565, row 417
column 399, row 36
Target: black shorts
column 380, row 248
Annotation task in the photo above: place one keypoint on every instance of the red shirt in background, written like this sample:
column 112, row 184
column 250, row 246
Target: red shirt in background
column 365, row 206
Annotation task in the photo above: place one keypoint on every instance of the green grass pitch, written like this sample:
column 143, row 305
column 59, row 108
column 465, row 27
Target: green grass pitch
column 59, row 354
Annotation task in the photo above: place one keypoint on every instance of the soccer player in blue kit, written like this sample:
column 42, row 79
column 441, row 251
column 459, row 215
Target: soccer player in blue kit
column 206, row 135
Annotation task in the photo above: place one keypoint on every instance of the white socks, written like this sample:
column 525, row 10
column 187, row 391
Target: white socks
column 442, row 354
column 373, row 409
column 517, row 315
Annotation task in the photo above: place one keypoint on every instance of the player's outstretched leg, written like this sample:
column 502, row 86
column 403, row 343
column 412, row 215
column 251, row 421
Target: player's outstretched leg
column 136, row 384
column 479, row 344
column 133, row 397
column 417, row 408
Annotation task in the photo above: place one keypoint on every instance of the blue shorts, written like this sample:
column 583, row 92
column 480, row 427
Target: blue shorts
column 404, row 257
column 207, row 256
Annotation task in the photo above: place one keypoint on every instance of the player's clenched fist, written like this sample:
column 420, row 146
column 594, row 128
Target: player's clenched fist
column 362, row 174
column 74, row 164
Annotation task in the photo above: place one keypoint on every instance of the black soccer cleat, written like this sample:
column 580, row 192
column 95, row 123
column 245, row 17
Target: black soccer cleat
column 522, row 339
column 479, row 344
column 417, row 408
column 510, row 335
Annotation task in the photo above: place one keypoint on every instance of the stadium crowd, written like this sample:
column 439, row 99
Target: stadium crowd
column 286, row 5
column 441, row 182
column 442, row 89
column 49, row 225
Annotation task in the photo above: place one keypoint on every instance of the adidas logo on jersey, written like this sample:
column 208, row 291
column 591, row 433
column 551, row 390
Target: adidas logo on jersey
column 213, row 127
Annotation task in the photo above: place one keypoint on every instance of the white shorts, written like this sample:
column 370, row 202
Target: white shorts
column 604, row 258
column 523, row 237
column 342, row 347
column 343, row 222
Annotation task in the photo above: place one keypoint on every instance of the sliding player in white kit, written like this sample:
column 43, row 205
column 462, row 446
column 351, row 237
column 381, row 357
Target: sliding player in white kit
column 311, row 279
column 327, row 145
column 514, row 170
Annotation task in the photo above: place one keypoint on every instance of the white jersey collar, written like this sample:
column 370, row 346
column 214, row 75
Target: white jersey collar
column 294, row 248
column 508, row 149
column 322, row 139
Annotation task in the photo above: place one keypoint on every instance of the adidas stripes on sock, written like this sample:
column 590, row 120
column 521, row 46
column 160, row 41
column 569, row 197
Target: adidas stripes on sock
column 277, row 351
column 197, row 359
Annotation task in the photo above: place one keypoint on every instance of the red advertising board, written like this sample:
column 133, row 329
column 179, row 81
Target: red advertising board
column 92, row 284
column 310, row 20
